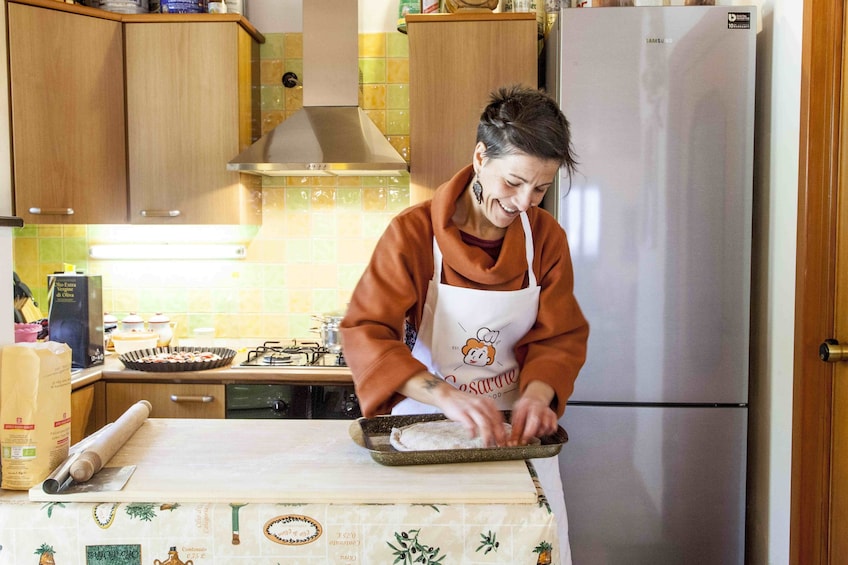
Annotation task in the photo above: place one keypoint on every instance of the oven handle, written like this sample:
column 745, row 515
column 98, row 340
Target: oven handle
column 205, row 399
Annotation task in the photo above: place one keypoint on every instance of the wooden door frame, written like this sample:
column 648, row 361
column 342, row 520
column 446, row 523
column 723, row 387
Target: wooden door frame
column 818, row 188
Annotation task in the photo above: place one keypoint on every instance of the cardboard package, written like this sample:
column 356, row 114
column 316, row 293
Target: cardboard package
column 76, row 316
column 35, row 412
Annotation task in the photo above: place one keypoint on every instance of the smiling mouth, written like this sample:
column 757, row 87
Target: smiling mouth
column 507, row 210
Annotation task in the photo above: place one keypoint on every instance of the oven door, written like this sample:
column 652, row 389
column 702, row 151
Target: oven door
column 334, row 403
column 267, row 401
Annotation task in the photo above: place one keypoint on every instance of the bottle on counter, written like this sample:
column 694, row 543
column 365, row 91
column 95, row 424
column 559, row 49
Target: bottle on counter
column 236, row 7
column 182, row 6
column 110, row 324
column 217, row 7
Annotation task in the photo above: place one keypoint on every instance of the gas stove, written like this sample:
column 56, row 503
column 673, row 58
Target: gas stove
column 310, row 398
column 276, row 354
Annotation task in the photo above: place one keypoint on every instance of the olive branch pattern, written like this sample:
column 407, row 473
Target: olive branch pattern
column 409, row 550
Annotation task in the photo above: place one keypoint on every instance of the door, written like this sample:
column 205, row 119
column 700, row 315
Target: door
column 68, row 130
column 652, row 485
column 819, row 513
column 661, row 242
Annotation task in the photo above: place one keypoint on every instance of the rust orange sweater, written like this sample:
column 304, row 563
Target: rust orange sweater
column 394, row 286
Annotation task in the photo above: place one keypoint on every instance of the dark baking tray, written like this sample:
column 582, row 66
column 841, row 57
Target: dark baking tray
column 132, row 359
column 373, row 435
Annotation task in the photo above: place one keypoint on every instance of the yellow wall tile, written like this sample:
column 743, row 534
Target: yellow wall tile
column 372, row 44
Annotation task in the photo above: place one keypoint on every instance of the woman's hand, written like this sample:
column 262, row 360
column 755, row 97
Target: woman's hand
column 532, row 415
column 478, row 413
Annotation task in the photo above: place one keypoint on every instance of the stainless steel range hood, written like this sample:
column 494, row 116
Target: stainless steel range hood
column 331, row 135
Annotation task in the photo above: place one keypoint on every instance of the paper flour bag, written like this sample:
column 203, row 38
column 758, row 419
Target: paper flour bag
column 35, row 411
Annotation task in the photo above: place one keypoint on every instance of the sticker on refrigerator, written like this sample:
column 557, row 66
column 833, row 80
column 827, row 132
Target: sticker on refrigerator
column 739, row 20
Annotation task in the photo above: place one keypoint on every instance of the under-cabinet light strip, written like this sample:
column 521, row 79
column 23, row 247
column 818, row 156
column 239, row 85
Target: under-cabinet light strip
column 167, row 251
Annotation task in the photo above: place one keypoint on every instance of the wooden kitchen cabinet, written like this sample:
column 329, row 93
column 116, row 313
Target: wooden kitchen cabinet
column 169, row 400
column 67, row 116
column 191, row 107
column 455, row 61
column 88, row 406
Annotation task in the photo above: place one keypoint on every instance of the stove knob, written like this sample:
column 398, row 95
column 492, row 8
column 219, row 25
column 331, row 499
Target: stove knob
column 351, row 408
column 279, row 406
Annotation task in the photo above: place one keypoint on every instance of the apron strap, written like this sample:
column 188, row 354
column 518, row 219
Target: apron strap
column 528, row 250
column 528, row 247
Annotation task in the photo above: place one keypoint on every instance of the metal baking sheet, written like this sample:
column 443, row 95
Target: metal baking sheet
column 373, row 434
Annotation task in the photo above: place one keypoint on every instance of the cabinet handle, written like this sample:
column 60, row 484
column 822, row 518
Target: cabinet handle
column 52, row 211
column 160, row 213
column 205, row 399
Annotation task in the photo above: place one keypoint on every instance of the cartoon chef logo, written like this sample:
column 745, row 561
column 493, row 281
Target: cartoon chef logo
column 480, row 351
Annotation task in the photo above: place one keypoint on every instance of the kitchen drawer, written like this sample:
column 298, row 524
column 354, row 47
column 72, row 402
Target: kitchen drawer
column 169, row 400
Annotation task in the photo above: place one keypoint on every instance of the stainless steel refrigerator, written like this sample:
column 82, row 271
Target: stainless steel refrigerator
column 661, row 104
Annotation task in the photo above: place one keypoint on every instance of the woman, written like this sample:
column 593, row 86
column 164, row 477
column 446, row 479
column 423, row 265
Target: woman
column 466, row 307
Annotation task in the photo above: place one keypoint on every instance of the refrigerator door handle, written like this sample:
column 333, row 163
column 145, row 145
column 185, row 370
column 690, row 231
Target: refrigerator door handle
column 831, row 352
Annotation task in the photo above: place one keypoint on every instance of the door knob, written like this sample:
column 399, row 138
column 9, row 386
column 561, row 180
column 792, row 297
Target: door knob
column 831, row 352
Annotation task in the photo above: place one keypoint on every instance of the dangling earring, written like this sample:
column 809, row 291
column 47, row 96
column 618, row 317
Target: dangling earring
column 477, row 189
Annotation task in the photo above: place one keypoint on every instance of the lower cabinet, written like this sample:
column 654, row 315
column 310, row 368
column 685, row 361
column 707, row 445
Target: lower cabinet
column 87, row 411
column 168, row 400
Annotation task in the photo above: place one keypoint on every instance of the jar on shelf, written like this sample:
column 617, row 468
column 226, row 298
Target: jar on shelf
column 132, row 322
column 162, row 325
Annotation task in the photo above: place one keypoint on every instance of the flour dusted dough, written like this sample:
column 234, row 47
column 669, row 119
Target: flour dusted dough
column 440, row 434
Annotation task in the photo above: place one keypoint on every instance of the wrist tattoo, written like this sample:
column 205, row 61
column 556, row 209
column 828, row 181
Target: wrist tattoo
column 431, row 383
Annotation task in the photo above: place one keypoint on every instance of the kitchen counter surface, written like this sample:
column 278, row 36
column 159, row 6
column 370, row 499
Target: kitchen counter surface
column 284, row 491
column 113, row 370
column 303, row 461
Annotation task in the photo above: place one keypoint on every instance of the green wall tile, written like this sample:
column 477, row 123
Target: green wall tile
column 397, row 97
column 298, row 199
column 50, row 250
column 324, row 250
column 397, row 44
column 325, row 300
column 271, row 97
column 274, row 46
column 373, row 71
column 349, row 198
column 397, row 122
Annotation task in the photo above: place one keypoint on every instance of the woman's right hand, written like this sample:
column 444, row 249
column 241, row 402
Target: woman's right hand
column 478, row 414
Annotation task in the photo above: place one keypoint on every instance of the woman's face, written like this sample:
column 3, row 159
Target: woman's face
column 511, row 184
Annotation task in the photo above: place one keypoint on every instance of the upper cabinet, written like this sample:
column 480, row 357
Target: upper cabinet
column 188, row 114
column 455, row 61
column 132, row 118
column 67, row 117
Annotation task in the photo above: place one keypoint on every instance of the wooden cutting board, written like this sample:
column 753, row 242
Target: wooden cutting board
column 294, row 461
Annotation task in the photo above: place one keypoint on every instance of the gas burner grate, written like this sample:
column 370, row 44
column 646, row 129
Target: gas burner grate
column 292, row 354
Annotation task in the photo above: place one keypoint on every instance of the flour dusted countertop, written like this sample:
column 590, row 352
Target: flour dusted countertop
column 290, row 461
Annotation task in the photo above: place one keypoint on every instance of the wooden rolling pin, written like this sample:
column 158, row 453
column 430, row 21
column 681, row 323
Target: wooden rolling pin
column 98, row 453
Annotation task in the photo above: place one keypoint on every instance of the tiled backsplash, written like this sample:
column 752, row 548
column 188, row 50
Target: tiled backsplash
column 316, row 237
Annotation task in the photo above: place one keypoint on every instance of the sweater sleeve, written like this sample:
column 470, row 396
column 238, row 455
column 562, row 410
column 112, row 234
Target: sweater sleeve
column 391, row 289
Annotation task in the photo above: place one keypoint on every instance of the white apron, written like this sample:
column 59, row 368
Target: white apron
column 467, row 337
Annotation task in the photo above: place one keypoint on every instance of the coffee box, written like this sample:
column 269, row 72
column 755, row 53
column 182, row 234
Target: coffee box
column 76, row 316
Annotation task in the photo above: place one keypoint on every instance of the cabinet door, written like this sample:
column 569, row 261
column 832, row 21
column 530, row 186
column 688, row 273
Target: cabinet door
column 169, row 400
column 455, row 61
column 82, row 413
column 67, row 108
column 184, row 122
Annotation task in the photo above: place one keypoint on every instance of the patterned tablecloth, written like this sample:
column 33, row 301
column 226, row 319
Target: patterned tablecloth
column 171, row 533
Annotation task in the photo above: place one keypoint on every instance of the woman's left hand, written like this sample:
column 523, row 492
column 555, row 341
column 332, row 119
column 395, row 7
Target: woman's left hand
column 532, row 415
